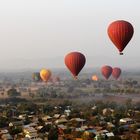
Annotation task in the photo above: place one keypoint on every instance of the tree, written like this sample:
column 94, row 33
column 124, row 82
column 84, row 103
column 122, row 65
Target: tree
column 27, row 120
column 45, row 128
column 70, row 89
column 53, row 133
column 15, row 130
column 31, row 95
column 13, row 92
column 3, row 122
column 2, row 93
column 41, row 122
column 128, row 103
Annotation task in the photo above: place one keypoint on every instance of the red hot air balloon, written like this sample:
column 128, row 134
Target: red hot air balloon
column 120, row 32
column 116, row 73
column 75, row 61
column 106, row 71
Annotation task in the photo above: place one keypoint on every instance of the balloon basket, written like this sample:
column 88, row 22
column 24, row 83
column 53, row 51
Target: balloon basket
column 75, row 78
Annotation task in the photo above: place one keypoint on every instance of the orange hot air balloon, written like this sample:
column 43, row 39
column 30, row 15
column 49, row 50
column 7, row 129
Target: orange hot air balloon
column 106, row 71
column 45, row 74
column 75, row 61
column 120, row 33
column 94, row 78
column 116, row 72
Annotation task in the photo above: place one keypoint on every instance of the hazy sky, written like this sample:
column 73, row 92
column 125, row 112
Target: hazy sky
column 39, row 33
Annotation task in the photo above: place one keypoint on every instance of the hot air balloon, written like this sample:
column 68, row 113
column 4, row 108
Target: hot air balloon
column 75, row 61
column 116, row 72
column 94, row 78
column 120, row 33
column 106, row 71
column 36, row 76
column 45, row 74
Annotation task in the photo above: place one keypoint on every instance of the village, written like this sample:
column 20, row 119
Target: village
column 70, row 110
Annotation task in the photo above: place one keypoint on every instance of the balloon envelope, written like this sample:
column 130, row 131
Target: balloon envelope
column 95, row 78
column 116, row 72
column 45, row 74
column 75, row 61
column 120, row 33
column 106, row 71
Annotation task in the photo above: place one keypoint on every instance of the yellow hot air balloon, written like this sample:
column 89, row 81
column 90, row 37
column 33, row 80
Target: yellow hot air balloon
column 94, row 78
column 45, row 75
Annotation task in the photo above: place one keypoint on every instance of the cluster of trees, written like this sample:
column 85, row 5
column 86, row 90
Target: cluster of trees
column 116, row 90
column 86, row 87
column 13, row 92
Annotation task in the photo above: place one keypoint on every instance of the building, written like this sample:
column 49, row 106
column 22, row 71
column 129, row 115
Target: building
column 30, row 132
column 126, row 121
column 5, row 135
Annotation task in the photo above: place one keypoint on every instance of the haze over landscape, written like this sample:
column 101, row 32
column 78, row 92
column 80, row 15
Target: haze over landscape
column 36, row 34
column 65, row 73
